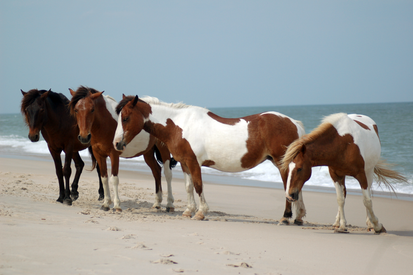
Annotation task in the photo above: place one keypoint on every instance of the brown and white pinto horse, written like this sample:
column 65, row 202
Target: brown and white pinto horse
column 197, row 137
column 350, row 146
column 47, row 112
column 97, row 122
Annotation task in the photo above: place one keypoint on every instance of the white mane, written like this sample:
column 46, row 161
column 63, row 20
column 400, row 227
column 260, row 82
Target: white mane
column 332, row 119
column 156, row 101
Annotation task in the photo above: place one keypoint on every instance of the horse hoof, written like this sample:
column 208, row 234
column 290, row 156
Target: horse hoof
column 187, row 214
column 156, row 207
column 74, row 196
column 67, row 202
column 59, row 200
column 382, row 230
column 199, row 217
column 338, row 230
column 105, row 208
column 298, row 222
column 170, row 209
column 284, row 221
column 101, row 197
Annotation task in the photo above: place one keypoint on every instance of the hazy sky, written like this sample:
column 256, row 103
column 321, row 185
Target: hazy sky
column 210, row 53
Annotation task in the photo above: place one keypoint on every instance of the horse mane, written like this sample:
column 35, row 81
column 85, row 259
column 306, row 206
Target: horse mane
column 33, row 94
column 81, row 93
column 295, row 147
column 153, row 101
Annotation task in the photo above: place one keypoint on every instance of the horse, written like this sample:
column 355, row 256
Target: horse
column 197, row 137
column 350, row 146
column 47, row 112
column 97, row 122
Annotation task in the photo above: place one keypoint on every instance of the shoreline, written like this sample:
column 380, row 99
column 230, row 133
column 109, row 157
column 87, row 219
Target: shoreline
column 223, row 179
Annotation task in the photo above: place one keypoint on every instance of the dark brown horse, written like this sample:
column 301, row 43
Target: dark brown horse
column 97, row 121
column 197, row 137
column 47, row 112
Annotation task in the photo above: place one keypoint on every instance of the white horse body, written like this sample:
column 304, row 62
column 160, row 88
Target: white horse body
column 366, row 139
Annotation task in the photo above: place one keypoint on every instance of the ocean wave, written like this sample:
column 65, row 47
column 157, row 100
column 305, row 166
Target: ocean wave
column 265, row 172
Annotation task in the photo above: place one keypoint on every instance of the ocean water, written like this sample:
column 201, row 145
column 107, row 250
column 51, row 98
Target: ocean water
column 394, row 120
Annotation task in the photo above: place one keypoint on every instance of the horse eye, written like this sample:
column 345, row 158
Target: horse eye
column 299, row 169
column 92, row 110
column 125, row 119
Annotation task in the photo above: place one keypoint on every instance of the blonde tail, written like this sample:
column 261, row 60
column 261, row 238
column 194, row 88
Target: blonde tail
column 384, row 174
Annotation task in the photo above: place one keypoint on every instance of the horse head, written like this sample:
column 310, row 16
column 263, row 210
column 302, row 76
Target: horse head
column 130, row 123
column 34, row 110
column 299, row 171
column 82, row 107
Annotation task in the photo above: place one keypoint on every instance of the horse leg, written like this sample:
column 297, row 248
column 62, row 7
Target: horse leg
column 197, row 183
column 368, row 203
column 191, row 206
column 168, row 175
column 299, row 208
column 339, row 183
column 67, row 171
column 166, row 156
column 156, row 172
column 79, row 164
column 114, row 181
column 104, row 178
column 59, row 172
column 100, row 190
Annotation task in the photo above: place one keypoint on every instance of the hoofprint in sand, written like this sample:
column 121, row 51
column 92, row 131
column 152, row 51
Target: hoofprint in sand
column 240, row 236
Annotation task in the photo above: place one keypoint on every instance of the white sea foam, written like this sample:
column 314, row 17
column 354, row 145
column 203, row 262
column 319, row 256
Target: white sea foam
column 265, row 172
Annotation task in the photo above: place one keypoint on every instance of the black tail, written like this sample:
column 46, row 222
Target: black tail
column 172, row 162
column 94, row 162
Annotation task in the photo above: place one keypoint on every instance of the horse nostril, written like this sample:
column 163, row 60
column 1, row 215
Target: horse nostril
column 294, row 196
column 89, row 136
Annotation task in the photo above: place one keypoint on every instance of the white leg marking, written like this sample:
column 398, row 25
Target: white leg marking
column 168, row 175
column 191, row 206
column 340, row 201
column 114, row 180
column 299, row 207
column 107, row 201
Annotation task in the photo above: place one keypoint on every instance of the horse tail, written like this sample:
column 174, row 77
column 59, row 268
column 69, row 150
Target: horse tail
column 92, row 156
column 158, row 156
column 384, row 174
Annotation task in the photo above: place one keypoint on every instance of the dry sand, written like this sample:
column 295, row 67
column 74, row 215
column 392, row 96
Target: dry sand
column 241, row 234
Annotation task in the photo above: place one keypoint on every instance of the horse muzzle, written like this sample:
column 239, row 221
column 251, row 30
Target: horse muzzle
column 292, row 197
column 85, row 140
column 120, row 146
column 34, row 137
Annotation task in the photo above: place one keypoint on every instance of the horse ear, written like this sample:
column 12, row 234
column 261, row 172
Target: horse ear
column 123, row 96
column 45, row 94
column 135, row 100
column 96, row 95
column 303, row 149
column 72, row 92
column 23, row 92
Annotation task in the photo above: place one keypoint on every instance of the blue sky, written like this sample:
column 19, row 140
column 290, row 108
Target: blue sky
column 210, row 53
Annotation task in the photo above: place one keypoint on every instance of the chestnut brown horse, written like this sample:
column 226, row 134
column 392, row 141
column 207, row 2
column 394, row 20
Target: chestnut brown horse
column 197, row 137
column 350, row 146
column 47, row 112
column 97, row 121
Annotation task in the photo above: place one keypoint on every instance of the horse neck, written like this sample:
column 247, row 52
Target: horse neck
column 323, row 150
column 103, row 117
column 56, row 116
column 160, row 115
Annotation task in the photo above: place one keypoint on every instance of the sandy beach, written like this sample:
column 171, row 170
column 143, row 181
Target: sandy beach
column 241, row 233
